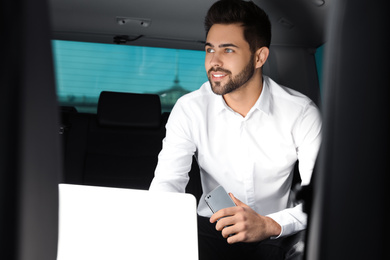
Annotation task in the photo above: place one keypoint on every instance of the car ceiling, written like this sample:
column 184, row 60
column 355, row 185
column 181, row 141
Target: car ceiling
column 178, row 23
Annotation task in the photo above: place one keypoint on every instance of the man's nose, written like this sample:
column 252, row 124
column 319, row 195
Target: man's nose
column 216, row 61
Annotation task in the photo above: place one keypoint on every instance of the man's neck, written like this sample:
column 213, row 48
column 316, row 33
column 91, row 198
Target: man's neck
column 244, row 98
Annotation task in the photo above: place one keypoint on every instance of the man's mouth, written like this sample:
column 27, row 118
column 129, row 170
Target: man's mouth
column 218, row 75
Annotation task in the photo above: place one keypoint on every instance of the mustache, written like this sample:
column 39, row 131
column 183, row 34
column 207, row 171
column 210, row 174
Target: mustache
column 219, row 70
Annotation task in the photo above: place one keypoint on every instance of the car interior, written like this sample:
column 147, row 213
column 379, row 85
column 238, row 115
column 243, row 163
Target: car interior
column 80, row 118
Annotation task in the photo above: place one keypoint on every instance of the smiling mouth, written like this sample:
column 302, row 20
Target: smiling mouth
column 218, row 75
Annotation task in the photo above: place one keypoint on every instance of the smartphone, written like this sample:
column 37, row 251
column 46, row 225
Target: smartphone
column 218, row 199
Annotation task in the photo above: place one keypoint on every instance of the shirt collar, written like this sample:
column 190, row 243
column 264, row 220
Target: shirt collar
column 263, row 103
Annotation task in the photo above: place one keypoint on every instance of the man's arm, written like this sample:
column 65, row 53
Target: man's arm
column 307, row 136
column 248, row 225
column 175, row 158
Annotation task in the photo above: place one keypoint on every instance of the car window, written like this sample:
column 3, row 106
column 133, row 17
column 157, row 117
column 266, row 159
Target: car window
column 84, row 69
column 319, row 61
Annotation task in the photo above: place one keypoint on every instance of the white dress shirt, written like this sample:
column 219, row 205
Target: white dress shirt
column 252, row 157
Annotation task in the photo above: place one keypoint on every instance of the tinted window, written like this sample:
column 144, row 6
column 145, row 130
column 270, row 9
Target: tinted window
column 319, row 63
column 83, row 70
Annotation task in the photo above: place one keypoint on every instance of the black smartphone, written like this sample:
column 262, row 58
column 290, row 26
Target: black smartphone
column 219, row 199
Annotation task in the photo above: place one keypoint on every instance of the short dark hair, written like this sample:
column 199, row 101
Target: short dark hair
column 257, row 26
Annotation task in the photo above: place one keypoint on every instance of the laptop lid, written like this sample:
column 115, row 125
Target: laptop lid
column 113, row 223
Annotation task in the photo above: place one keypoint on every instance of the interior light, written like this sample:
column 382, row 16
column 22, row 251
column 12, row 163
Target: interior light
column 318, row 2
column 144, row 22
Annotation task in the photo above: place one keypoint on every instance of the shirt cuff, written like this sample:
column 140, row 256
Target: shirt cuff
column 291, row 221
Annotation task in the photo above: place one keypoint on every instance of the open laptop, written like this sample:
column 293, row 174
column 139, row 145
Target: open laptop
column 112, row 223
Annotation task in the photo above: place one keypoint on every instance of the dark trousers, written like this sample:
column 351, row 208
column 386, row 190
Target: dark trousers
column 213, row 246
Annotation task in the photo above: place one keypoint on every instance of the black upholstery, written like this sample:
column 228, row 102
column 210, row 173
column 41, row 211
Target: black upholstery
column 121, row 156
column 30, row 161
column 349, row 217
column 119, row 146
column 129, row 109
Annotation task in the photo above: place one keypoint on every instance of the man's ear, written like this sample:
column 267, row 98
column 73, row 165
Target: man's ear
column 261, row 57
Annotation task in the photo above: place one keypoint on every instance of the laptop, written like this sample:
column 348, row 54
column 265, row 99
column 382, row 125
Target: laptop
column 114, row 223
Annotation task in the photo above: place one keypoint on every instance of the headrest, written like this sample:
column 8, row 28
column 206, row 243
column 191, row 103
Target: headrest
column 129, row 109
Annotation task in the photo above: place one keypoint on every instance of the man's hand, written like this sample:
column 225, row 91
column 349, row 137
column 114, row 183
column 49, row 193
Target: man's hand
column 244, row 224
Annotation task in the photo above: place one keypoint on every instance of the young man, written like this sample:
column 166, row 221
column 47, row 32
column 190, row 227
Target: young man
column 246, row 132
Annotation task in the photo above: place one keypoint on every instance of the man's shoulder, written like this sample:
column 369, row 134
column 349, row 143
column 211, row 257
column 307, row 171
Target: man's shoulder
column 287, row 96
column 193, row 107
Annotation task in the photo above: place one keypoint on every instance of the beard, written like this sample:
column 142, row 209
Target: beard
column 234, row 82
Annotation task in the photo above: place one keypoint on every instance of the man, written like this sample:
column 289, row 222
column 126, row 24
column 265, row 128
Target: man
column 246, row 132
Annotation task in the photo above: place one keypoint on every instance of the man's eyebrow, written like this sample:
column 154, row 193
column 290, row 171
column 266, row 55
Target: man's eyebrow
column 224, row 45
column 227, row 45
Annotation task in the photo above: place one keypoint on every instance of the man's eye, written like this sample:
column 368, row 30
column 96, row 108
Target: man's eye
column 209, row 50
column 229, row 50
